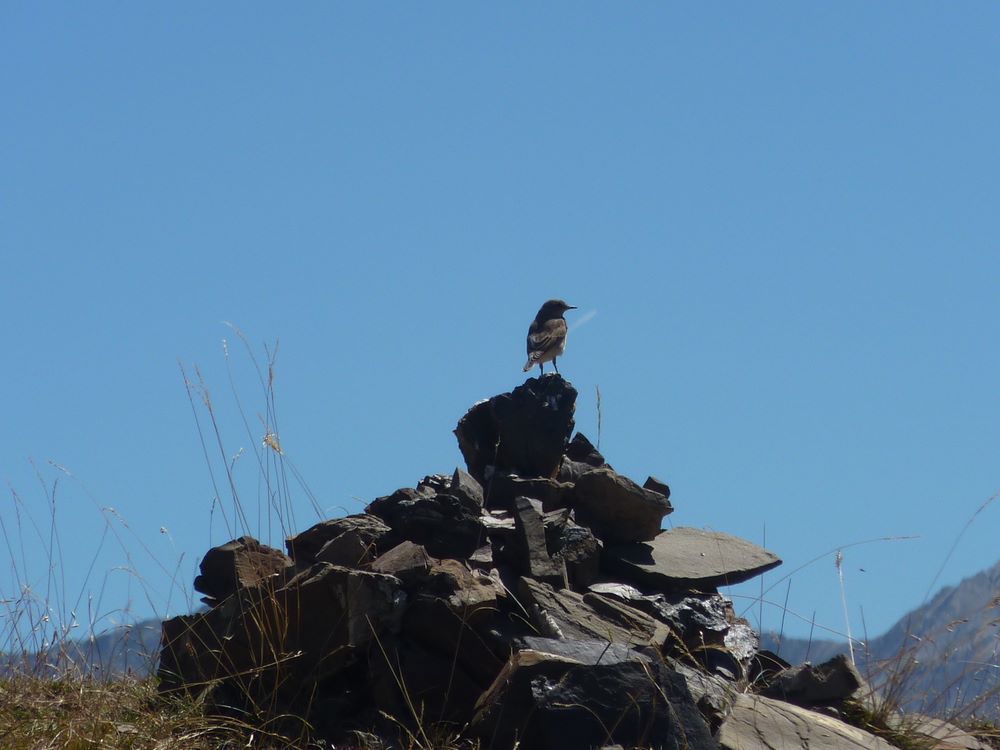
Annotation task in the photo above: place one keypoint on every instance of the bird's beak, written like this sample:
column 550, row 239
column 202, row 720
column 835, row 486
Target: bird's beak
column 571, row 307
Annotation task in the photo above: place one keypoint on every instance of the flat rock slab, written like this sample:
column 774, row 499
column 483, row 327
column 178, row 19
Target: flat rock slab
column 758, row 723
column 685, row 558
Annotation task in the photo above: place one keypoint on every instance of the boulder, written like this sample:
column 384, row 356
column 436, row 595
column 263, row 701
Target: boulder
column 685, row 559
column 543, row 701
column 534, row 559
column 365, row 532
column 523, row 432
column 445, row 524
column 759, row 723
column 617, row 509
column 807, row 685
column 240, row 563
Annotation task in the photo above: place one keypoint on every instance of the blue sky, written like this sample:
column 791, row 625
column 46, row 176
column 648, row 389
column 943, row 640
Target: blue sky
column 779, row 222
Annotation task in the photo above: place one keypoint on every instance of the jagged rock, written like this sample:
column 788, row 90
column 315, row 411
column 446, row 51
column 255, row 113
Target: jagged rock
column 758, row 723
column 706, row 624
column 684, row 559
column 364, row 531
column 546, row 702
column 566, row 614
column 409, row 562
column 617, row 509
column 576, row 546
column 465, row 487
column 281, row 640
column 534, row 560
column 581, row 456
column 445, row 524
column 523, row 432
column 237, row 564
column 503, row 488
column 808, row 685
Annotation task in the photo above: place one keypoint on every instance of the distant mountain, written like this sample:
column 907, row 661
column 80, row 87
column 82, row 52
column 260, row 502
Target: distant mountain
column 130, row 649
column 942, row 658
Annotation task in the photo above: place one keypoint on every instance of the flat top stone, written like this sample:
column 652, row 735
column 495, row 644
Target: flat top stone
column 691, row 557
column 758, row 723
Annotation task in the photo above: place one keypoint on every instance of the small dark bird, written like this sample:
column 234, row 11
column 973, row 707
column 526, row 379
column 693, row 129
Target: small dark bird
column 547, row 335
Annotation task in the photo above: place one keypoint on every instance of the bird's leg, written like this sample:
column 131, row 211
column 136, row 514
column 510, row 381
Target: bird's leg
column 555, row 365
column 541, row 367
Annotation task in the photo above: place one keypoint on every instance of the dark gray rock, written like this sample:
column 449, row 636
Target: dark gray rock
column 408, row 561
column 576, row 546
column 654, row 484
column 366, row 531
column 348, row 549
column 418, row 686
column 807, row 685
column 616, row 509
column 503, row 488
column 545, row 702
column 566, row 614
column 241, row 563
column 523, row 432
column 465, row 487
column 581, row 456
column 685, row 559
column 443, row 523
column 581, row 450
column 534, row 559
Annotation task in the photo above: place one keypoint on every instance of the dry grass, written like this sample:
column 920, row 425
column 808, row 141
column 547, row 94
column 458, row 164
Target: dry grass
column 79, row 713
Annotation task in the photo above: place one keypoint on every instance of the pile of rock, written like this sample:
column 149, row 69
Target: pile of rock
column 532, row 598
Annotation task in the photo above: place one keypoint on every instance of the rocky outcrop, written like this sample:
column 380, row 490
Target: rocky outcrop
column 529, row 599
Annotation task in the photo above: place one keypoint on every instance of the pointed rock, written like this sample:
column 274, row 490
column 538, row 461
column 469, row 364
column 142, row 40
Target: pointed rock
column 684, row 558
column 533, row 555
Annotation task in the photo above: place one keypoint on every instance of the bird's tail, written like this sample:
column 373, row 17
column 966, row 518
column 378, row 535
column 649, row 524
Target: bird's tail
column 531, row 363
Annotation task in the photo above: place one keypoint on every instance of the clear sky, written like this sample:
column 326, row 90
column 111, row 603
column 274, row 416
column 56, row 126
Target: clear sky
column 779, row 221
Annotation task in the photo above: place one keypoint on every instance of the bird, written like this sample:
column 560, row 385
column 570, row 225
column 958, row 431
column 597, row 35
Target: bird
column 547, row 335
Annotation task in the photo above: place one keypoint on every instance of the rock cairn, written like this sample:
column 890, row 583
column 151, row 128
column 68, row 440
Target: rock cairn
column 530, row 598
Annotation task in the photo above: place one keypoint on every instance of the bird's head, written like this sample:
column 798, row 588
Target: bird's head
column 554, row 308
